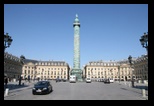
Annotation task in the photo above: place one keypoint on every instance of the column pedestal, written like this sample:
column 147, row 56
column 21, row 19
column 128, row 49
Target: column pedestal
column 78, row 73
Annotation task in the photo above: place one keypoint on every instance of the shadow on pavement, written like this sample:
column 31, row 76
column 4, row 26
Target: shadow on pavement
column 15, row 86
column 141, row 87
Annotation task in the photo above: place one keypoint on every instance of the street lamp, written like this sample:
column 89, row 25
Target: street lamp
column 119, row 72
column 7, row 41
column 130, row 61
column 144, row 41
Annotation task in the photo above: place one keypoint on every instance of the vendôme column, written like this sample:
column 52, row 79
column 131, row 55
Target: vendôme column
column 76, row 60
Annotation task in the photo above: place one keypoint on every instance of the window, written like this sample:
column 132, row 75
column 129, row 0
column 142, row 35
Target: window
column 64, row 72
column 102, row 73
column 98, row 73
column 58, row 63
column 88, row 73
column 45, row 63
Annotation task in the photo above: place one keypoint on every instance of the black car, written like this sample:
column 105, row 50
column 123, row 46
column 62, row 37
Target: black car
column 106, row 81
column 42, row 87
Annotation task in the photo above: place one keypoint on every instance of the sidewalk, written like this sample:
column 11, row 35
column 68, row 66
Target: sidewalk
column 138, row 87
column 15, row 87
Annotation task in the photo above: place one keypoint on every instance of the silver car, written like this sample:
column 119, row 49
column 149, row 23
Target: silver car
column 88, row 80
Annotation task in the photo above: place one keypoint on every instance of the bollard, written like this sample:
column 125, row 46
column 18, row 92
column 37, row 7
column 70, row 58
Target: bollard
column 23, row 84
column 143, row 93
column 6, row 92
column 129, row 84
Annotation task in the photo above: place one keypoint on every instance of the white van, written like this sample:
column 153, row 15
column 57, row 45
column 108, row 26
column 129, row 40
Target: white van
column 72, row 78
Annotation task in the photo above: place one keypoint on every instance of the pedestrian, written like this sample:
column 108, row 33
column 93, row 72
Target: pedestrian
column 6, row 81
column 20, row 78
column 38, row 78
column 29, row 79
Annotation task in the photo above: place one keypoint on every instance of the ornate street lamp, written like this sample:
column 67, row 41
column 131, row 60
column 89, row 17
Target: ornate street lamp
column 7, row 41
column 130, row 61
column 119, row 72
column 144, row 41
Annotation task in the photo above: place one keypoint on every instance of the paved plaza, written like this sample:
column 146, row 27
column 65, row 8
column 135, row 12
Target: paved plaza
column 80, row 91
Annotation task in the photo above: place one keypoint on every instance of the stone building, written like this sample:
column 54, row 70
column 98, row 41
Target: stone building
column 108, row 69
column 118, row 70
column 45, row 69
column 12, row 66
column 141, row 68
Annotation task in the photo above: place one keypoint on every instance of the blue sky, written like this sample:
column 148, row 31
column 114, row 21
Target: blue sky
column 45, row 31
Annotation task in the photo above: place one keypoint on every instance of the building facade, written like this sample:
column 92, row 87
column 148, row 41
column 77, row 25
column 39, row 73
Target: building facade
column 141, row 68
column 45, row 69
column 118, row 70
column 12, row 66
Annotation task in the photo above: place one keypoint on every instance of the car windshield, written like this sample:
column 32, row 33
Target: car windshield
column 88, row 78
column 41, row 83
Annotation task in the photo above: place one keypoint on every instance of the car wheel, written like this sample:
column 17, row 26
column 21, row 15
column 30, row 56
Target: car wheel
column 34, row 93
column 49, row 91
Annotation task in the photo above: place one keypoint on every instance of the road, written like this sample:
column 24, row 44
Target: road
column 80, row 91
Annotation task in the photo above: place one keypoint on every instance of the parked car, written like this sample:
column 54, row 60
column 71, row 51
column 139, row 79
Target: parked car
column 42, row 87
column 106, row 81
column 64, row 80
column 88, row 80
column 58, row 80
column 111, row 80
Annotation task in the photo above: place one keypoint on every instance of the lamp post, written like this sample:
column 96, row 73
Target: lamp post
column 130, row 61
column 7, row 41
column 144, row 41
column 119, row 72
